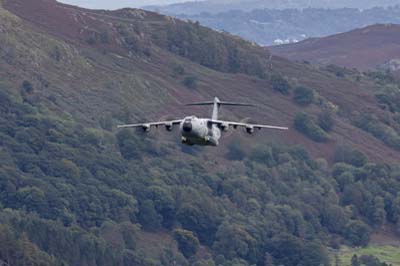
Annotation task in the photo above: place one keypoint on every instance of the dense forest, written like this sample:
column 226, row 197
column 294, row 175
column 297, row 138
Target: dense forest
column 74, row 190
column 79, row 196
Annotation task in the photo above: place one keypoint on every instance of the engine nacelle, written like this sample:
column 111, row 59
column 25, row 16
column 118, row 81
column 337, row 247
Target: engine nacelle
column 146, row 128
column 224, row 127
column 250, row 130
column 169, row 127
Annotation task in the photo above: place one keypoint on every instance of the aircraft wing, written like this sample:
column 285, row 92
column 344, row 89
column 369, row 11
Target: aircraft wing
column 221, row 123
column 153, row 124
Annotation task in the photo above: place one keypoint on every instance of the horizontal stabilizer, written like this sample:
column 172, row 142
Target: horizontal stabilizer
column 220, row 103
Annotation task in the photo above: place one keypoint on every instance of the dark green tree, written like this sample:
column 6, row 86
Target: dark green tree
column 303, row 95
column 187, row 242
column 280, row 84
column 149, row 218
column 325, row 121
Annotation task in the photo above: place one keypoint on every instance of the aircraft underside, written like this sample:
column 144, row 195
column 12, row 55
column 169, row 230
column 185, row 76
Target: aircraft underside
column 207, row 141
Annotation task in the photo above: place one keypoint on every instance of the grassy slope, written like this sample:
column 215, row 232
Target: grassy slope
column 388, row 254
column 357, row 48
column 106, row 79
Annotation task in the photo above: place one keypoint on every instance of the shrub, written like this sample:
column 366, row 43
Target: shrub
column 27, row 87
column 370, row 260
column 187, row 242
column 325, row 121
column 303, row 96
column 358, row 233
column 346, row 154
column 178, row 70
column 280, row 84
column 306, row 125
column 340, row 72
column 190, row 82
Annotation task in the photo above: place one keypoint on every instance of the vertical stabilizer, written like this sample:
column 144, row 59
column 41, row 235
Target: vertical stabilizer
column 217, row 104
column 215, row 109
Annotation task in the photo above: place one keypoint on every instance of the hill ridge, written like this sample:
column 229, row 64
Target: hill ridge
column 365, row 48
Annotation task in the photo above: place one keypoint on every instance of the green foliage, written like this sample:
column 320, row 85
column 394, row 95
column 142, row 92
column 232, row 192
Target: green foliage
column 200, row 220
column 310, row 253
column 369, row 260
column 382, row 77
column 77, row 193
column 378, row 129
column 236, row 151
column 355, row 261
column 358, row 233
column 305, row 124
column 347, row 154
column 19, row 250
column 303, row 96
column 148, row 216
column 217, row 51
column 233, row 242
column 340, row 72
column 389, row 101
column 190, row 82
column 325, row 121
column 178, row 70
column 27, row 87
column 280, row 84
column 187, row 242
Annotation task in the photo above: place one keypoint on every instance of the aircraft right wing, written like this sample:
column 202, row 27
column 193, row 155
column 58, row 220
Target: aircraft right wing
column 228, row 124
column 147, row 126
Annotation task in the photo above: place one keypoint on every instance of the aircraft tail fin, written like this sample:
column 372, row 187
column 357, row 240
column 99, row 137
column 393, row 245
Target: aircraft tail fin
column 217, row 104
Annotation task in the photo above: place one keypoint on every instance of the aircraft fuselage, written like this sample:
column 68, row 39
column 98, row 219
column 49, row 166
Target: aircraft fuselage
column 198, row 131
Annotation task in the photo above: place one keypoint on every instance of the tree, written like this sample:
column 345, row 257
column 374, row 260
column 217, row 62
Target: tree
column 314, row 254
column 187, row 242
column 369, row 260
column 346, row 154
column 358, row 233
column 286, row 250
column 27, row 87
column 303, row 96
column 236, row 151
column 148, row 216
column 354, row 261
column 268, row 260
column 280, row 84
column 200, row 219
column 378, row 213
column 190, row 82
column 306, row 125
column 234, row 241
column 325, row 121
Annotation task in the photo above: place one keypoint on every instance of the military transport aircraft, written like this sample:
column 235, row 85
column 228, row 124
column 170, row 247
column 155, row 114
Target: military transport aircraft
column 203, row 131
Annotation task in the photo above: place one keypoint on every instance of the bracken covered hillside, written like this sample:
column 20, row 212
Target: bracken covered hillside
column 75, row 191
column 367, row 48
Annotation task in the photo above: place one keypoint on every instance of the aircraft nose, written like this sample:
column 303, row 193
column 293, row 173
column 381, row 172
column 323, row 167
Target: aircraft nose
column 187, row 126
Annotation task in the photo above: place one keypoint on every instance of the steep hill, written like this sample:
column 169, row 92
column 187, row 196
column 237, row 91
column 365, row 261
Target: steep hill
column 277, row 26
column 74, row 191
column 367, row 48
column 108, row 65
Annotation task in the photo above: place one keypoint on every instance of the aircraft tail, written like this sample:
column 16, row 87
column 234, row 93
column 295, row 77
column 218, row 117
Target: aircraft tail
column 217, row 104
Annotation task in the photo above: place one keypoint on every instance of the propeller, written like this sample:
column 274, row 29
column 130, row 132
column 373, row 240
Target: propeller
column 234, row 130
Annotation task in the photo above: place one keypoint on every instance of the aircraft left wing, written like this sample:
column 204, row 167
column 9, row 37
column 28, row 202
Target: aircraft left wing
column 227, row 124
column 147, row 126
